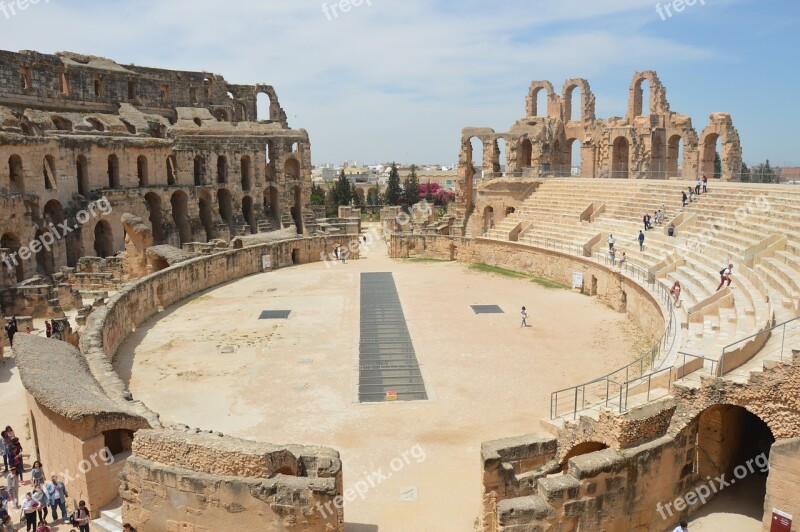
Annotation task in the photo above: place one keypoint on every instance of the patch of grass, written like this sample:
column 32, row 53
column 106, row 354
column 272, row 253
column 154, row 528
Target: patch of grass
column 545, row 283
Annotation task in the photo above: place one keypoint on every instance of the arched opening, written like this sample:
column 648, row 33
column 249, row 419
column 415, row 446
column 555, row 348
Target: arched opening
column 199, row 170
column 510, row 211
column 103, row 240
column 118, row 442
column 295, row 256
column 225, row 205
column 501, row 160
column 292, row 169
column 540, row 97
column 198, row 122
column 207, row 216
column 734, row 442
column 171, row 170
column 222, row 170
column 53, row 212
column 658, row 164
column 574, row 104
column 10, row 241
column 674, row 159
column 49, row 172
column 488, row 219
column 113, row 171
column 641, row 102
column 710, row 164
column 97, row 124
column 45, row 260
column 272, row 207
column 221, row 115
column 297, row 209
column 16, row 184
column 619, row 158
column 62, row 124
column 156, row 217
column 296, row 149
column 142, row 171
column 476, row 156
column 246, row 177
column 263, row 104
column 82, row 170
column 180, row 215
column 249, row 214
column 525, row 154
column 574, row 156
column 581, row 449
column 271, row 157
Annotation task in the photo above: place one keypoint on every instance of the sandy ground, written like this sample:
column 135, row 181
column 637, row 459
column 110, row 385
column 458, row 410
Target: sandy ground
column 296, row 380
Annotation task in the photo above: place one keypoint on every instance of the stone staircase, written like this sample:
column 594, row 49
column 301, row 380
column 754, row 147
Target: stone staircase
column 110, row 520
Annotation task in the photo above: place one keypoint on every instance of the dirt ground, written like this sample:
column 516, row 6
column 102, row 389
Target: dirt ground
column 211, row 363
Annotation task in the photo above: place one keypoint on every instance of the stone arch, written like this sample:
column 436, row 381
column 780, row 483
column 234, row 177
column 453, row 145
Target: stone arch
column 49, row 173
column 525, row 153
column 246, row 171
column 475, row 156
column 263, row 105
column 580, row 449
column 153, row 201
column 199, row 170
column 142, row 171
column 488, row 218
column 499, row 156
column 620, row 157
column 272, row 208
column 292, row 169
column 82, row 172
column 16, row 174
column 180, row 215
column 222, row 170
column 582, row 111
column 720, row 135
column 113, row 171
column 225, row 206
column 206, row 214
column 11, row 242
column 657, row 95
column 297, row 209
column 675, row 156
column 53, row 212
column 221, row 114
column 533, row 106
column 572, row 153
column 103, row 239
column 249, row 214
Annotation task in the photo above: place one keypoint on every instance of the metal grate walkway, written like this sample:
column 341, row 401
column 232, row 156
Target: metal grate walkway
column 387, row 363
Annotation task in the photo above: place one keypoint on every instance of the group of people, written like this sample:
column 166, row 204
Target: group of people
column 651, row 221
column 612, row 252
column 53, row 329
column 700, row 187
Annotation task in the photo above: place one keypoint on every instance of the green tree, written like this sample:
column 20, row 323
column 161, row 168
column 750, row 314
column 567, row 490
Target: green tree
column 429, row 193
column 764, row 173
column 354, row 195
column 342, row 192
column 745, row 177
column 317, row 194
column 393, row 192
column 717, row 166
column 411, row 188
column 359, row 198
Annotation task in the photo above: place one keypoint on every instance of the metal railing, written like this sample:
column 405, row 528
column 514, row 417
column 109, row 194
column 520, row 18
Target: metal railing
column 613, row 389
column 781, row 343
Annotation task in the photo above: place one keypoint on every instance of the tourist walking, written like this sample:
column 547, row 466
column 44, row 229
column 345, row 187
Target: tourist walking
column 48, row 329
column 675, row 292
column 29, row 507
column 684, row 198
column 697, row 186
column 705, row 184
column 524, row 314
column 57, row 494
column 646, row 221
column 12, row 483
column 641, row 241
column 40, row 496
column 671, row 230
column 622, row 260
column 611, row 242
column 613, row 256
column 11, row 330
column 725, row 276
column 37, row 474
column 682, row 527
column 80, row 517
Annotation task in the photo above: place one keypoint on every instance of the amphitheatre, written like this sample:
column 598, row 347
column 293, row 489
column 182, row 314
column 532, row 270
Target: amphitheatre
column 243, row 379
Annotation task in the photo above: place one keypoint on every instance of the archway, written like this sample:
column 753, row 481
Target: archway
column 297, row 209
column 11, row 242
column 156, row 217
column 573, row 105
column 222, row 170
column 733, row 442
column 581, row 449
column 142, row 171
column 199, row 170
column 476, row 157
column 82, row 170
column 53, row 212
column 711, row 152
column 206, row 215
column 292, row 169
column 246, row 173
column 263, row 104
column 15, row 172
column 674, row 162
column 641, row 102
column 225, row 206
column 271, row 157
column 573, row 153
column 113, row 171
column 500, row 162
column 272, row 207
column 103, row 240
column 180, row 215
column 249, row 215
column 540, row 97
column 619, row 158
column 525, row 154
column 488, row 219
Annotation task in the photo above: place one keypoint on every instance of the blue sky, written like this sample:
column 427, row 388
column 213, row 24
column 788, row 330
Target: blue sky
column 398, row 79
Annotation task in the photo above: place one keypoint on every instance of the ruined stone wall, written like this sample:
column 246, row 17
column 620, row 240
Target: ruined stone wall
column 177, row 480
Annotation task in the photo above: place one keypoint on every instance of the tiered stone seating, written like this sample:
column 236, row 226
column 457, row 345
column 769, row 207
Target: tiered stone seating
column 732, row 223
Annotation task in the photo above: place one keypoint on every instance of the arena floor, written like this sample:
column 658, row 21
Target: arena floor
column 211, row 363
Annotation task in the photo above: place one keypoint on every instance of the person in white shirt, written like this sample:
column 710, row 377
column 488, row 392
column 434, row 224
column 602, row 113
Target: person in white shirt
column 611, row 242
column 29, row 507
column 682, row 527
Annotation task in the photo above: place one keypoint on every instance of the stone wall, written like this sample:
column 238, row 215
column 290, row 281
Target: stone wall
column 179, row 480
